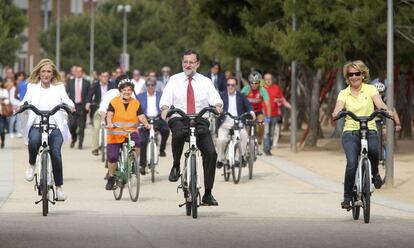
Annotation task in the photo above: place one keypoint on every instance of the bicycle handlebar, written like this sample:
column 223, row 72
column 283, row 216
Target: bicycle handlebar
column 248, row 115
column 378, row 112
column 27, row 106
column 178, row 111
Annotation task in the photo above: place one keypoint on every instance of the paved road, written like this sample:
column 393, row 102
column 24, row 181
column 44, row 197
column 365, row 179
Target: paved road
column 278, row 208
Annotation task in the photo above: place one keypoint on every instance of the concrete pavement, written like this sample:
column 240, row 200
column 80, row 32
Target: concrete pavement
column 278, row 208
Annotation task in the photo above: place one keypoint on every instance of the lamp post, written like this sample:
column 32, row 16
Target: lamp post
column 58, row 35
column 124, row 55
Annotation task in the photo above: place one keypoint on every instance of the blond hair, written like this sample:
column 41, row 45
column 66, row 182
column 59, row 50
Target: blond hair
column 34, row 77
column 360, row 66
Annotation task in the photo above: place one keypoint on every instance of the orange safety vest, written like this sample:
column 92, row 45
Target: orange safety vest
column 127, row 119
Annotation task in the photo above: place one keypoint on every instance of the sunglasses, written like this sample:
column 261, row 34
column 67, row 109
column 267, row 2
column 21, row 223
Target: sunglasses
column 150, row 85
column 350, row 74
column 231, row 85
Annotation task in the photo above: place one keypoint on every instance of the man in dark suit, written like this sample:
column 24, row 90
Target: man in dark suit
column 165, row 76
column 93, row 101
column 236, row 104
column 217, row 77
column 150, row 101
column 78, row 89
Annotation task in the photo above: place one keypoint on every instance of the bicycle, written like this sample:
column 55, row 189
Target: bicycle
column 252, row 149
column 190, row 178
column 127, row 169
column 363, row 178
column 44, row 177
column 233, row 151
column 152, row 155
column 102, row 143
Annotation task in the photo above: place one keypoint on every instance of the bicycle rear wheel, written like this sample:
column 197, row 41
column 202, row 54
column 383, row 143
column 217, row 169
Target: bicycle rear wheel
column 152, row 161
column 355, row 209
column 119, row 181
column 133, row 176
column 226, row 168
column 366, row 192
column 193, row 186
column 236, row 168
column 43, row 184
column 251, row 147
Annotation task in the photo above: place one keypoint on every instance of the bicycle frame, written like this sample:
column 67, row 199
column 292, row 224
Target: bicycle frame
column 192, row 150
column 363, row 155
column 152, row 142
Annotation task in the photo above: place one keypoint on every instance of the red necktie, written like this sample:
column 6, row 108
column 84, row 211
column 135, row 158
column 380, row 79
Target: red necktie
column 190, row 98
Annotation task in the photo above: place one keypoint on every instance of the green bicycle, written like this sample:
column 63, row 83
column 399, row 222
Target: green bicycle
column 127, row 169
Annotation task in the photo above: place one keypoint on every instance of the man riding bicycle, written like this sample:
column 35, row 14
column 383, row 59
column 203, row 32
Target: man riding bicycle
column 257, row 95
column 236, row 104
column 124, row 113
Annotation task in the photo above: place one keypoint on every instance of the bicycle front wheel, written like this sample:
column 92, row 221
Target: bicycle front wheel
column 152, row 161
column 133, row 176
column 355, row 209
column 43, row 184
column 226, row 166
column 366, row 192
column 119, row 182
column 251, row 147
column 236, row 169
column 193, row 186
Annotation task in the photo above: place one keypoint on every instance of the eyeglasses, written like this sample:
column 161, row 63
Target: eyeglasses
column 255, row 83
column 350, row 74
column 189, row 62
column 150, row 85
column 231, row 85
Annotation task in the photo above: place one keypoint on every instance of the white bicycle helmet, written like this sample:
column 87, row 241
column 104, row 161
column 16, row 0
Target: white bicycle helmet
column 255, row 76
column 380, row 87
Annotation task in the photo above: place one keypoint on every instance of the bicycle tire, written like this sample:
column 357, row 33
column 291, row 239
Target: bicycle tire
column 44, row 186
column 236, row 168
column 355, row 209
column 119, row 183
column 193, row 186
column 366, row 192
column 251, row 157
column 152, row 161
column 226, row 169
column 133, row 176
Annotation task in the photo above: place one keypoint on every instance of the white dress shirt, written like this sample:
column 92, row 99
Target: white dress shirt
column 152, row 105
column 56, row 94
column 232, row 109
column 175, row 92
column 139, row 86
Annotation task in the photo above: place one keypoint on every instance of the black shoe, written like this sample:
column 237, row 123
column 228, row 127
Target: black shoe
column 174, row 174
column 208, row 200
column 377, row 181
column 80, row 146
column 72, row 144
column 95, row 152
column 219, row 164
column 142, row 170
column 346, row 204
column 110, row 183
column 268, row 153
column 163, row 154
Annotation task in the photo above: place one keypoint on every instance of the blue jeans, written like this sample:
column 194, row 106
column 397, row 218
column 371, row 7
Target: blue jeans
column 351, row 142
column 3, row 124
column 14, row 121
column 270, row 132
column 55, row 144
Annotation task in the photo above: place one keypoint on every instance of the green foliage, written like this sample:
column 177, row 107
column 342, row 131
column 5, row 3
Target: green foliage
column 12, row 22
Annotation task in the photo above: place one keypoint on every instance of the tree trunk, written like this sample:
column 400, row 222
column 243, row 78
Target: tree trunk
column 312, row 138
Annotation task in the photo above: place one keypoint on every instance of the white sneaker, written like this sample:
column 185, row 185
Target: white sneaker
column 60, row 195
column 11, row 136
column 19, row 135
column 30, row 171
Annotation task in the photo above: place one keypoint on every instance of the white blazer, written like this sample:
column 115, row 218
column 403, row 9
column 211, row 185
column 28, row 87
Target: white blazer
column 55, row 96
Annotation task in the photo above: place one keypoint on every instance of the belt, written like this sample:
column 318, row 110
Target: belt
column 358, row 132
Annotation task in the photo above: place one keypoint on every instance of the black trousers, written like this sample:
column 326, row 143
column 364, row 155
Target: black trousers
column 78, row 120
column 160, row 126
column 180, row 131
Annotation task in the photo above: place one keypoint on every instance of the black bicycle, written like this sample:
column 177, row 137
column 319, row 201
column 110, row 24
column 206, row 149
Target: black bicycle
column 44, row 177
column 363, row 178
column 190, row 178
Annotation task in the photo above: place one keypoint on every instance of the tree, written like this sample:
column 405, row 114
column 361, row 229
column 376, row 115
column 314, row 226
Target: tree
column 12, row 23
